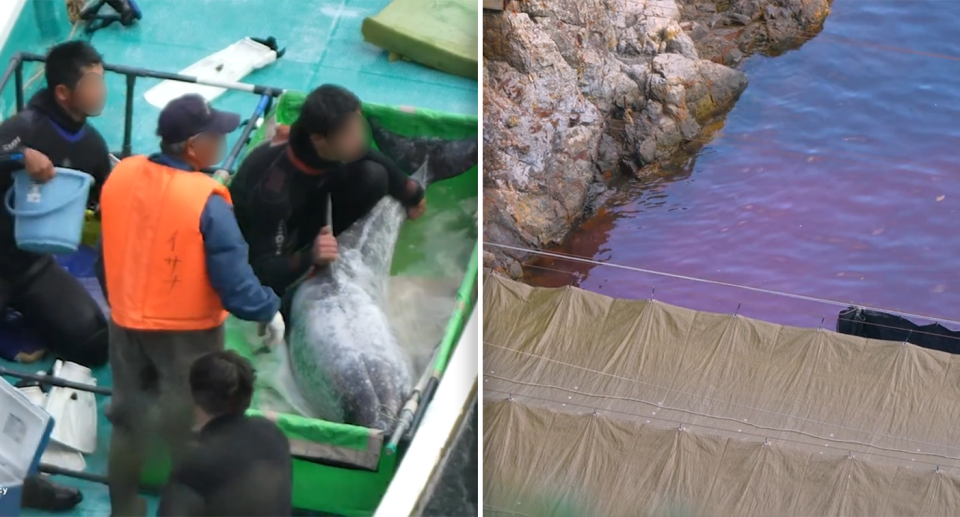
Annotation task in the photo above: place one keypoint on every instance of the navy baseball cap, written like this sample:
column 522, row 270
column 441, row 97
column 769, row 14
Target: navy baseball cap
column 190, row 115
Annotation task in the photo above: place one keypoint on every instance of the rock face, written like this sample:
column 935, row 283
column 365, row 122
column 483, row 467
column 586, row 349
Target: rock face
column 578, row 91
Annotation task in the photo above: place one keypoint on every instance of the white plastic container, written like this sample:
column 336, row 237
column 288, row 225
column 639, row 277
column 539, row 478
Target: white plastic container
column 24, row 433
column 55, row 454
column 74, row 408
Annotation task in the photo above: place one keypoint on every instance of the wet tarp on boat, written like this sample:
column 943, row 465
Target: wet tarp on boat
column 352, row 466
column 857, row 321
column 601, row 406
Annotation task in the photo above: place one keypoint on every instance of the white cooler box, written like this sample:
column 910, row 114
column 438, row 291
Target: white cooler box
column 24, row 433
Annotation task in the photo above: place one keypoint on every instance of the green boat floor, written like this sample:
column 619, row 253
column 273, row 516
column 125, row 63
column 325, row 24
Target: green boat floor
column 324, row 45
column 441, row 34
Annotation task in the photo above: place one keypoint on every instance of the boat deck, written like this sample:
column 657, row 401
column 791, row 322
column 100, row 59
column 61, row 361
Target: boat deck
column 323, row 43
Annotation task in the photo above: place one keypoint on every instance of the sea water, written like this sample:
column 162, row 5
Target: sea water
column 835, row 176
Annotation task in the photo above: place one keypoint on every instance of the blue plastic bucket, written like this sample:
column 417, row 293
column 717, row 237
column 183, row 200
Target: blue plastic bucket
column 49, row 216
column 10, row 498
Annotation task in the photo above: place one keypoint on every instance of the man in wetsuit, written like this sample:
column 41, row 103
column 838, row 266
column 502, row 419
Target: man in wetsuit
column 53, row 131
column 241, row 465
column 280, row 190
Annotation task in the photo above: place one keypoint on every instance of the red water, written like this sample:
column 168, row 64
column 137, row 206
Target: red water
column 836, row 176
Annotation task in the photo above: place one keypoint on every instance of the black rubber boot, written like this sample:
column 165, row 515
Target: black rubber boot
column 39, row 493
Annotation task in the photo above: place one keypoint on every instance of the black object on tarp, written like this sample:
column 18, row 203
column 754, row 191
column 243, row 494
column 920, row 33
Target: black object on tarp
column 856, row 321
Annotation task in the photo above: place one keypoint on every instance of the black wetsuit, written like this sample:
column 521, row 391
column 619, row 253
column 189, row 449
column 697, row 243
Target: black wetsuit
column 241, row 466
column 52, row 301
column 280, row 198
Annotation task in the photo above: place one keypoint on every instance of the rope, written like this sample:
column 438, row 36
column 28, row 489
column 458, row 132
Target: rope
column 584, row 260
column 720, row 300
column 511, row 396
column 598, row 373
column 74, row 8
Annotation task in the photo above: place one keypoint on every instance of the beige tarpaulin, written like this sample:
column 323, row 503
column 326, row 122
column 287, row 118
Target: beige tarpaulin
column 599, row 406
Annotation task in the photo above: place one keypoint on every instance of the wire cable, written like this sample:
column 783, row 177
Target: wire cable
column 712, row 298
column 705, row 426
column 585, row 260
column 598, row 373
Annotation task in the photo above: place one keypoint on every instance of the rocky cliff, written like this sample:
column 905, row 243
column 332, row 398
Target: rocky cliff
column 578, row 91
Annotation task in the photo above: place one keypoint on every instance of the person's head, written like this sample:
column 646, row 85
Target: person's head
column 191, row 130
column 221, row 384
column 331, row 117
column 74, row 73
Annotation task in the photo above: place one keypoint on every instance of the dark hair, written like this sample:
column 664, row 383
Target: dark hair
column 326, row 109
column 222, row 382
column 66, row 61
column 175, row 149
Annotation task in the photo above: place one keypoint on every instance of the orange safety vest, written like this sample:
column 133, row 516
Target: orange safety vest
column 153, row 255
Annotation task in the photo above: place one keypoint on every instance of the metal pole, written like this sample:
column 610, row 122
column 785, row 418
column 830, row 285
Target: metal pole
column 247, row 130
column 409, row 411
column 269, row 106
column 56, row 381
column 88, row 476
column 127, row 148
column 142, row 72
column 424, row 402
column 11, row 69
column 18, row 82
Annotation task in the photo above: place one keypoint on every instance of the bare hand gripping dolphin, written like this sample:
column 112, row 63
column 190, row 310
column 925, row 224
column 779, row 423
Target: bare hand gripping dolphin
column 345, row 360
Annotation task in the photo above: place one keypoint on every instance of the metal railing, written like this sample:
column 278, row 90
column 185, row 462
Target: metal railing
column 267, row 95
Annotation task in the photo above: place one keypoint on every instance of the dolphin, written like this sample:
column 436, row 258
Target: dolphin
column 345, row 360
column 448, row 158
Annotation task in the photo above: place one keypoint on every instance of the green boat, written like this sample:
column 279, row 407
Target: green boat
column 338, row 469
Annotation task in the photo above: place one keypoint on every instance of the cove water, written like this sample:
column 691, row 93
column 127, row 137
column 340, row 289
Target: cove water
column 837, row 175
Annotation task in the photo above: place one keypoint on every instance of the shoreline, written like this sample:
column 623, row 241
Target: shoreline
column 579, row 95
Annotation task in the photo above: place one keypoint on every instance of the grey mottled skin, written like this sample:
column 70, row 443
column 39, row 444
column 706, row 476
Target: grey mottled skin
column 344, row 357
column 448, row 158
column 343, row 354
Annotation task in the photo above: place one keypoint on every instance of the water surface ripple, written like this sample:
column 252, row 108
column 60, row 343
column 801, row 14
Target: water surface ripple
column 837, row 175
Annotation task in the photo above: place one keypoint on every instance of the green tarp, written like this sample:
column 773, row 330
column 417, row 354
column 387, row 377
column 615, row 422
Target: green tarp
column 355, row 466
column 441, row 34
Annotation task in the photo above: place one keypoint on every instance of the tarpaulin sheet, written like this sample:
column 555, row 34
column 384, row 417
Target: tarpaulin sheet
column 600, row 406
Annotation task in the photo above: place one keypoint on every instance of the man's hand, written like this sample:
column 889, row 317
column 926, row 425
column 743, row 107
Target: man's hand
column 272, row 333
column 414, row 212
column 325, row 249
column 38, row 166
column 281, row 135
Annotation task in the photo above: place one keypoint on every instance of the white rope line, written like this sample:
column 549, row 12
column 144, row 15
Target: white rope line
column 700, row 397
column 508, row 512
column 837, row 303
column 717, row 417
column 717, row 299
column 900, row 459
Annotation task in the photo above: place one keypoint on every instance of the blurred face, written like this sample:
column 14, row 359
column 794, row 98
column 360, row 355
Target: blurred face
column 349, row 144
column 89, row 96
column 206, row 149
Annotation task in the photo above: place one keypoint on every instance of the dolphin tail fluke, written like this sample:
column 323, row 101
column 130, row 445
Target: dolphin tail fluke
column 448, row 158
column 451, row 158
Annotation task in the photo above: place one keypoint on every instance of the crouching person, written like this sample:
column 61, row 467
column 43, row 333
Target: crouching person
column 174, row 263
column 240, row 465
